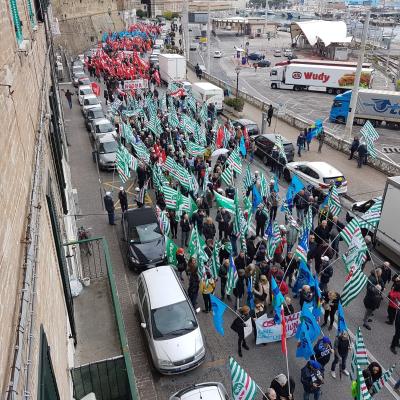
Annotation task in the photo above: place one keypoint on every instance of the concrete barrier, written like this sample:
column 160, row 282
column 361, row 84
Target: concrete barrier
column 332, row 140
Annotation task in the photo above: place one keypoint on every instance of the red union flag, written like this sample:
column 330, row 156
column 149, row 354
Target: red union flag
column 96, row 88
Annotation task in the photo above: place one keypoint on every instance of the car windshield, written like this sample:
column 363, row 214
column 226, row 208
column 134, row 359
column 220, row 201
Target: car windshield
column 91, row 101
column 104, row 128
column 251, row 127
column 84, row 81
column 108, row 147
column 96, row 114
column 145, row 233
column 85, row 91
column 79, row 74
column 172, row 320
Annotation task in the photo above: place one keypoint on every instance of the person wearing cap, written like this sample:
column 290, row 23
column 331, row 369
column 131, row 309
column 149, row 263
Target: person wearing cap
column 323, row 350
column 312, row 378
column 238, row 326
column 326, row 273
column 109, row 206
column 123, row 199
column 281, row 386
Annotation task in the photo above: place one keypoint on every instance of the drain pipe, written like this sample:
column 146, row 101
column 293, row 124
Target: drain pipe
column 26, row 312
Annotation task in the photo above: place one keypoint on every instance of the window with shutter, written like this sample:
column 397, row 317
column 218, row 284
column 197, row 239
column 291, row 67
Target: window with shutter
column 32, row 16
column 16, row 20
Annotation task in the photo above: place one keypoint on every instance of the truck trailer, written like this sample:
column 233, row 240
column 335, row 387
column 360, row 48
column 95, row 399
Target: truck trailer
column 387, row 234
column 376, row 106
column 331, row 78
column 172, row 67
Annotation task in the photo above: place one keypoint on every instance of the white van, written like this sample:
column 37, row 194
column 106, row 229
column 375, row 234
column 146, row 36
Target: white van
column 169, row 321
column 205, row 91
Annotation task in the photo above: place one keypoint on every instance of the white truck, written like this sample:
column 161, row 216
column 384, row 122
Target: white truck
column 330, row 77
column 387, row 234
column 209, row 93
column 172, row 67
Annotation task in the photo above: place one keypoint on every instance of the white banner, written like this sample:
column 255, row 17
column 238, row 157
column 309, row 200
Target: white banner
column 136, row 84
column 268, row 331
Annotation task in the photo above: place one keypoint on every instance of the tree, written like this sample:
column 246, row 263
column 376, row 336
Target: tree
column 141, row 13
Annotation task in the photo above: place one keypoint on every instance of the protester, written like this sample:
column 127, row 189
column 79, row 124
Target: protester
column 326, row 273
column 394, row 303
column 284, row 389
column 209, row 229
column 330, row 303
column 262, row 291
column 194, row 281
column 373, row 297
column 223, row 218
column 270, row 394
column 396, row 337
column 371, row 374
column 301, row 140
column 323, row 350
column 321, row 139
column 257, row 312
column 239, row 289
column 185, row 227
column 173, row 223
column 354, row 146
column 207, row 287
column 123, row 199
column 341, row 347
column 181, row 262
column 362, row 155
column 312, row 378
column 238, row 326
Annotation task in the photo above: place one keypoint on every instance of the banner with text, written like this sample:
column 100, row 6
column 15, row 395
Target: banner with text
column 268, row 331
column 135, row 84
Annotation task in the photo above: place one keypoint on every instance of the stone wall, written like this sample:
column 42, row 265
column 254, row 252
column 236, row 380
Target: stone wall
column 21, row 80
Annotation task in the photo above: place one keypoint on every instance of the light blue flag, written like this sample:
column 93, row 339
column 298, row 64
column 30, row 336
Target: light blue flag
column 218, row 308
column 304, row 277
column 311, row 324
column 276, row 184
column 317, row 311
column 341, row 321
column 257, row 199
column 315, row 130
column 277, row 300
column 295, row 186
column 304, row 345
column 242, row 147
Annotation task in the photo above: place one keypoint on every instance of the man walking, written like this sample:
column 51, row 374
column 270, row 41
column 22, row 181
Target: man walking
column 109, row 205
column 301, row 140
column 123, row 199
column 69, row 95
column 321, row 140
column 362, row 155
column 270, row 113
column 354, row 146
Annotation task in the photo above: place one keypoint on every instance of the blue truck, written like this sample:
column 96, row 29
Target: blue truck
column 377, row 106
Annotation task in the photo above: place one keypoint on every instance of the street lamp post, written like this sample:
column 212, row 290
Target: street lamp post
column 237, row 69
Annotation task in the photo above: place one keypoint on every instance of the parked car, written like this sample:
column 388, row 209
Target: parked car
column 317, row 174
column 100, row 127
column 76, row 76
column 169, row 321
column 263, row 63
column 90, row 101
column 358, row 208
column 105, row 152
column 201, row 391
column 217, row 54
column 266, row 142
column 83, row 91
column 77, row 67
column 251, row 126
column 277, row 53
column 193, row 46
column 287, row 53
column 292, row 57
column 91, row 115
column 85, row 81
column 255, row 56
column 145, row 242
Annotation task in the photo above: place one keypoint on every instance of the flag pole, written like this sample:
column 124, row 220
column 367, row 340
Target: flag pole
column 287, row 370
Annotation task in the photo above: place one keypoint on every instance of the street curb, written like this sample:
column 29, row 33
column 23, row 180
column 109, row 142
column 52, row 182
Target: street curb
column 336, row 142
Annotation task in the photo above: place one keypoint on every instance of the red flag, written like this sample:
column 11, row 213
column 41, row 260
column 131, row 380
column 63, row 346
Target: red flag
column 246, row 138
column 156, row 76
column 220, row 137
column 283, row 338
column 96, row 88
column 163, row 156
column 178, row 93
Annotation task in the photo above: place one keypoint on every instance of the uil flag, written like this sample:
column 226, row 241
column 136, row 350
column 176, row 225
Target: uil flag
column 304, row 277
column 218, row 308
column 243, row 387
column 304, row 345
column 277, row 300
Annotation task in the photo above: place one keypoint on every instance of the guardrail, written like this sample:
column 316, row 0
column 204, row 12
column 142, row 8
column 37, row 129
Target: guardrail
column 332, row 140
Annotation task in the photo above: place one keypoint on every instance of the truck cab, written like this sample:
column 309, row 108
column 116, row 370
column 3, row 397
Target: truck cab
column 340, row 108
column 277, row 76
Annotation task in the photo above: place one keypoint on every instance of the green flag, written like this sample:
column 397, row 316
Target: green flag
column 171, row 249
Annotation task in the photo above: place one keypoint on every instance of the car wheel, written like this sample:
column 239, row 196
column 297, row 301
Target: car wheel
column 286, row 175
column 274, row 86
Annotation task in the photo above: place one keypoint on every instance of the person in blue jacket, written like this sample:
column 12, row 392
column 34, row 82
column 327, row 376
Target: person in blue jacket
column 312, row 378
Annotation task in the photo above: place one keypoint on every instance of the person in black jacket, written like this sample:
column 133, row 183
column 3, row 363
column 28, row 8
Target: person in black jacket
column 194, row 284
column 209, row 229
column 312, row 378
column 323, row 350
column 109, row 206
column 185, row 227
column 362, row 155
column 223, row 252
column 371, row 374
column 330, row 303
column 281, row 386
column 326, row 273
column 341, row 349
column 238, row 326
column 223, row 218
column 123, row 199
column 396, row 338
column 223, row 274
column 181, row 262
column 173, row 223
column 239, row 289
column 354, row 146
column 373, row 297
column 261, row 218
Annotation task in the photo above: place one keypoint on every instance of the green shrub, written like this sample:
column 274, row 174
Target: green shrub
column 236, row 103
column 141, row 14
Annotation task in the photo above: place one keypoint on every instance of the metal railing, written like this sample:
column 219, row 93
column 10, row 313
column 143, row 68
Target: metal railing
column 96, row 263
column 293, row 119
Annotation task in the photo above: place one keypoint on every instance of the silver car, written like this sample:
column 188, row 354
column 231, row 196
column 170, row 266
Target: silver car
column 169, row 321
column 90, row 101
column 102, row 126
column 105, row 152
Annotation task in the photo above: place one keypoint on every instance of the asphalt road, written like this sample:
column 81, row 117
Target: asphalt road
column 310, row 105
column 263, row 362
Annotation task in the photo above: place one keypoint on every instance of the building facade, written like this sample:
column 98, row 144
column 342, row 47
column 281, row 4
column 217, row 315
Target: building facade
column 36, row 307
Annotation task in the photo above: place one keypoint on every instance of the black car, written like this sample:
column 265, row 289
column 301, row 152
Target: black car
column 91, row 115
column 251, row 126
column 265, row 143
column 144, row 239
column 255, row 56
column 358, row 209
column 263, row 63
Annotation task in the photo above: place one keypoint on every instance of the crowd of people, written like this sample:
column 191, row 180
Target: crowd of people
column 188, row 133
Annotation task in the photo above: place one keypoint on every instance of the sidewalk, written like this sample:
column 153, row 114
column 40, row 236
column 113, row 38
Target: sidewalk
column 363, row 183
